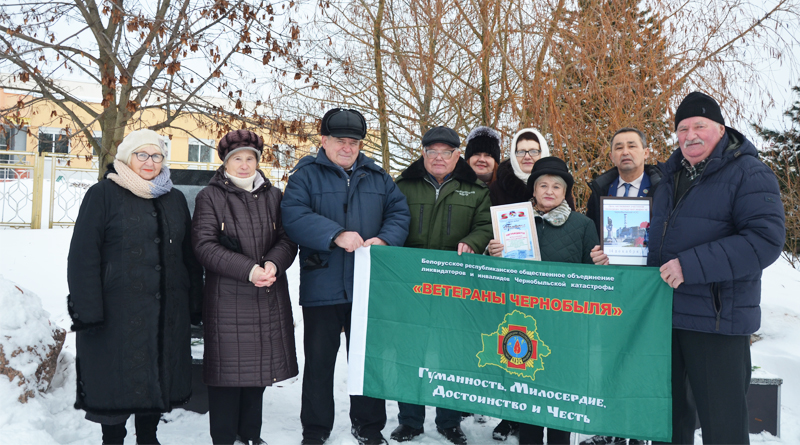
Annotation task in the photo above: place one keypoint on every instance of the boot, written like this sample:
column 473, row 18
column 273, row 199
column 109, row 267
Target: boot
column 146, row 426
column 114, row 434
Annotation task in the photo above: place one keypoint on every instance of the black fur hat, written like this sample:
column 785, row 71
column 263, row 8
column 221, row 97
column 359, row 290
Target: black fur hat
column 483, row 140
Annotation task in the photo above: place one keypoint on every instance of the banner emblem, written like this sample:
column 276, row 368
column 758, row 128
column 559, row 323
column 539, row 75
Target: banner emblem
column 519, row 351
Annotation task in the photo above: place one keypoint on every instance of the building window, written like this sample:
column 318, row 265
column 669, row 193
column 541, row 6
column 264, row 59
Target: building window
column 5, row 137
column 98, row 137
column 201, row 150
column 53, row 141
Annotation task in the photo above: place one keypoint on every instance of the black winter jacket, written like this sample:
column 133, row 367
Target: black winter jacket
column 508, row 188
column 249, row 331
column 134, row 285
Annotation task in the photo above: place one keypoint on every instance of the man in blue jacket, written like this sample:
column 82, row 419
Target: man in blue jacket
column 334, row 203
column 717, row 223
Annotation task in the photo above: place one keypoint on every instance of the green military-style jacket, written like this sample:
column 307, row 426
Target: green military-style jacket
column 458, row 213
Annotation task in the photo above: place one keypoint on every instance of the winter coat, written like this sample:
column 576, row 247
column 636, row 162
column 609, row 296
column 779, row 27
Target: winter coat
column 320, row 202
column 457, row 213
column 603, row 184
column 248, row 335
column 570, row 242
column 508, row 188
column 134, row 285
column 727, row 227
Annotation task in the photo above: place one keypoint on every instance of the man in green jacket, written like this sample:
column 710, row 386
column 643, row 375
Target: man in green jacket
column 449, row 211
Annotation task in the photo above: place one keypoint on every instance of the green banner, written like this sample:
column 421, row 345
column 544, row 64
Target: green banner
column 577, row 347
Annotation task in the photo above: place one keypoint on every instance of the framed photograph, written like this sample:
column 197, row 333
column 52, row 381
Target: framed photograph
column 514, row 226
column 626, row 225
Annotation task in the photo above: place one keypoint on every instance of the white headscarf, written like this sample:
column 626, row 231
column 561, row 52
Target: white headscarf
column 511, row 154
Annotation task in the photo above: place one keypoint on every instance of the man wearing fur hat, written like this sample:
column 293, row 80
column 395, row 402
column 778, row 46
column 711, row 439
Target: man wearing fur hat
column 335, row 203
column 717, row 223
column 450, row 211
column 483, row 153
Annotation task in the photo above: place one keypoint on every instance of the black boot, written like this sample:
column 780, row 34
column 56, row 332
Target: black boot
column 114, row 434
column 146, row 426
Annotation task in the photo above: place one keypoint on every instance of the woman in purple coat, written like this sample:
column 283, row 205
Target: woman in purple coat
column 248, row 327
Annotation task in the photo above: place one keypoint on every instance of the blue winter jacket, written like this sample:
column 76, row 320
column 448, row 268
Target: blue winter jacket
column 727, row 227
column 320, row 202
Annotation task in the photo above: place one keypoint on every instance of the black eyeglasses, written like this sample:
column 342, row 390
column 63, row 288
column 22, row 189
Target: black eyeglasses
column 142, row 157
column 522, row 153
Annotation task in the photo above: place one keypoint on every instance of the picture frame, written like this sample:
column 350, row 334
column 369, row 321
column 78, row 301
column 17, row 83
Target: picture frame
column 514, row 226
column 625, row 230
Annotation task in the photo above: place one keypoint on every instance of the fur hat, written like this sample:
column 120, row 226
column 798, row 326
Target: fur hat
column 136, row 139
column 341, row 123
column 238, row 140
column 698, row 104
column 443, row 135
column 483, row 140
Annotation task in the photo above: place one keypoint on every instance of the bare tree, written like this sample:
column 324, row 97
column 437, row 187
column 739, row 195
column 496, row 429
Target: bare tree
column 174, row 59
column 578, row 70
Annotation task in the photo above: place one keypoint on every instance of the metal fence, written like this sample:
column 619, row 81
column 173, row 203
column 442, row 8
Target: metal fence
column 37, row 187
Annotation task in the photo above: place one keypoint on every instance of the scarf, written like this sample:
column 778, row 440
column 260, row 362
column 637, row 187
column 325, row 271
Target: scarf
column 127, row 179
column 246, row 184
column 557, row 216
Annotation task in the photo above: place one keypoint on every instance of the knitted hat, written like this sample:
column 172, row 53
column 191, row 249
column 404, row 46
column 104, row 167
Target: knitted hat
column 698, row 104
column 483, row 140
column 551, row 165
column 136, row 139
column 341, row 123
column 444, row 135
column 238, row 140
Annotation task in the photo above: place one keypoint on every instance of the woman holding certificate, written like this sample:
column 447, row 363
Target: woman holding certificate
column 564, row 236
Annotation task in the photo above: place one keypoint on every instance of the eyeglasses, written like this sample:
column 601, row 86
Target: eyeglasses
column 142, row 157
column 522, row 153
column 446, row 154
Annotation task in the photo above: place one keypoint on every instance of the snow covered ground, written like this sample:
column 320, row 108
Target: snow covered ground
column 36, row 261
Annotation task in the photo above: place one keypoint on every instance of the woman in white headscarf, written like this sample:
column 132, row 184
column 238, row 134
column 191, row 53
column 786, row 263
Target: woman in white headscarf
column 527, row 147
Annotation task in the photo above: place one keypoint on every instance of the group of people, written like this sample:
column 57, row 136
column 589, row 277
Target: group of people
column 137, row 257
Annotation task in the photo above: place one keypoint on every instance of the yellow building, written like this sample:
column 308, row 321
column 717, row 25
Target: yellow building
column 46, row 128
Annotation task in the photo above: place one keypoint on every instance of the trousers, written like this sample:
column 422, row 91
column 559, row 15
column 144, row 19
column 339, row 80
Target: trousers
column 235, row 411
column 323, row 326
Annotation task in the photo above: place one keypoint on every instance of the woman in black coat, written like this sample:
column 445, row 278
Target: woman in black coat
column 247, row 316
column 134, row 287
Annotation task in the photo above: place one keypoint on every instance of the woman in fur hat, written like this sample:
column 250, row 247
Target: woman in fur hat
column 134, row 287
column 247, row 317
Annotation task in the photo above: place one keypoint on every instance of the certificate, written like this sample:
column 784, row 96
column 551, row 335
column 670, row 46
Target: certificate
column 514, row 226
column 626, row 225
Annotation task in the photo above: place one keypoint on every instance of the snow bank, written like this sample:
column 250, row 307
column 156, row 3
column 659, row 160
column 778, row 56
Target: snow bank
column 29, row 343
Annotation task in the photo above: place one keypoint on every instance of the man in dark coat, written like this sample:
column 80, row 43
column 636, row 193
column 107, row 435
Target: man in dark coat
column 334, row 203
column 630, row 175
column 450, row 211
column 717, row 223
